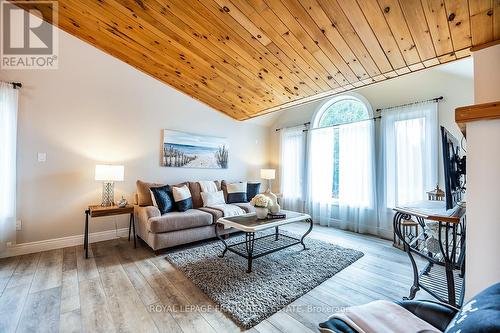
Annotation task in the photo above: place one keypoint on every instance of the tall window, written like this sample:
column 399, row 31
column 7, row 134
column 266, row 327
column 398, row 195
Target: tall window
column 341, row 169
column 340, row 111
column 410, row 142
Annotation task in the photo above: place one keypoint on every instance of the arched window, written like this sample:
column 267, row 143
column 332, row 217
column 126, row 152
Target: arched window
column 340, row 110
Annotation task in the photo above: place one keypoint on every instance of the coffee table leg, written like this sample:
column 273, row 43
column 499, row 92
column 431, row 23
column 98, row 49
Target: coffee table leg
column 249, row 243
column 86, row 236
column 276, row 233
column 222, row 240
column 307, row 233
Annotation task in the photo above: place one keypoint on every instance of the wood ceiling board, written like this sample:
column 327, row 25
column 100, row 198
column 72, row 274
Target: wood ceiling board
column 283, row 69
column 250, row 57
column 496, row 19
column 306, row 69
column 397, row 23
column 364, row 31
column 415, row 19
column 300, row 41
column 295, row 8
column 293, row 30
column 153, row 45
column 146, row 63
column 326, row 27
column 376, row 20
column 481, row 20
column 462, row 53
column 340, row 22
column 245, row 22
column 224, row 50
column 457, row 12
column 435, row 13
column 447, row 57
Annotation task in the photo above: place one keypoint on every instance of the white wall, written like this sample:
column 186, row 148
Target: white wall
column 96, row 109
column 453, row 81
column 483, row 181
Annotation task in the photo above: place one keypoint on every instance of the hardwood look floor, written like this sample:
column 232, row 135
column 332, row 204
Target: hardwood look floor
column 122, row 289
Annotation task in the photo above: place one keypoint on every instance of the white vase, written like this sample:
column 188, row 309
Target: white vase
column 261, row 213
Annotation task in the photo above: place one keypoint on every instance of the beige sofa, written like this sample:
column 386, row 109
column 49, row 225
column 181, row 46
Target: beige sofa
column 176, row 228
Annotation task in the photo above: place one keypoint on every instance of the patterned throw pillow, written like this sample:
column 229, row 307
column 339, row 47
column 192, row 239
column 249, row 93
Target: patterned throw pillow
column 182, row 198
column 236, row 192
column 480, row 314
column 163, row 198
column 252, row 190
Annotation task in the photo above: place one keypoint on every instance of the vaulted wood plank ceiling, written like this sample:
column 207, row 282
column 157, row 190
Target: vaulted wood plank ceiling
column 249, row 57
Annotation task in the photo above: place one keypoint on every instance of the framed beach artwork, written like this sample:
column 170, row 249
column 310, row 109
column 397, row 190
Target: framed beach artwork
column 186, row 150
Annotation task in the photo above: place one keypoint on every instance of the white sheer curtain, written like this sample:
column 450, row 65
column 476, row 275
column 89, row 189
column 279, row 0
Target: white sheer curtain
column 357, row 192
column 292, row 171
column 409, row 156
column 355, row 207
column 320, row 203
column 8, row 135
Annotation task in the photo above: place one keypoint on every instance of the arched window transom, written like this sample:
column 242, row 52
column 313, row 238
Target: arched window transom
column 342, row 111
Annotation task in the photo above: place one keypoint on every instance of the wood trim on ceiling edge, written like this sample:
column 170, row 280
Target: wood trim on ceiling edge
column 333, row 92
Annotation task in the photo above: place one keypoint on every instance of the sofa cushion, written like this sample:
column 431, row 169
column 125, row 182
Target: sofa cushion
column 182, row 198
column 236, row 192
column 246, row 206
column 216, row 213
column 143, row 192
column 172, row 221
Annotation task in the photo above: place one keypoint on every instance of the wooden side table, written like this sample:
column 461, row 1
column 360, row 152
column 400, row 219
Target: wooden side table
column 100, row 211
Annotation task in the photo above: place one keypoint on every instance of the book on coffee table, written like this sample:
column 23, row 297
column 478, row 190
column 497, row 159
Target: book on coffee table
column 279, row 215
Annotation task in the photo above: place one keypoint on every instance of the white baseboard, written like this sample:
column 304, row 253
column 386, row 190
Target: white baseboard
column 57, row 243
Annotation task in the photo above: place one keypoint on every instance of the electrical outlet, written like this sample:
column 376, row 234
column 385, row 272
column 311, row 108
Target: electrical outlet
column 42, row 157
column 18, row 225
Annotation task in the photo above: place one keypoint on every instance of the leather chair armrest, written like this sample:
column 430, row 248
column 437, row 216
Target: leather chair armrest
column 437, row 314
column 334, row 325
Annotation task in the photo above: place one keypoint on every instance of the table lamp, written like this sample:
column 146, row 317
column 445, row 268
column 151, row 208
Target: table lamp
column 108, row 174
column 268, row 174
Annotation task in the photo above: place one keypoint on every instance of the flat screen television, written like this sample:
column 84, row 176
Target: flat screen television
column 454, row 169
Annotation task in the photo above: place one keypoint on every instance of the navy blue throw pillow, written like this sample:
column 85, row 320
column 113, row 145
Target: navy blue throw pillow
column 164, row 198
column 480, row 314
column 252, row 190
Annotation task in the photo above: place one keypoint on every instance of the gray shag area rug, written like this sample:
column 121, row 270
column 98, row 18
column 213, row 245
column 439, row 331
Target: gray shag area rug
column 276, row 279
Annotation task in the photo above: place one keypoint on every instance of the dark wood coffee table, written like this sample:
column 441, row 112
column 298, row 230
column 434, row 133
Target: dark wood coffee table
column 252, row 247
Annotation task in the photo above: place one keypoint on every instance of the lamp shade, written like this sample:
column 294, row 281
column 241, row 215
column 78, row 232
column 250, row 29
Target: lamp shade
column 112, row 173
column 267, row 173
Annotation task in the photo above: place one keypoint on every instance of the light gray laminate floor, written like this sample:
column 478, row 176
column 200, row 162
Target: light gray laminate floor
column 131, row 290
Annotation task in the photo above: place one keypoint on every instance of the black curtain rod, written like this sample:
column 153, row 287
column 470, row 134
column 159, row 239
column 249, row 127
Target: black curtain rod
column 436, row 99
column 333, row 126
column 15, row 85
column 304, row 124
